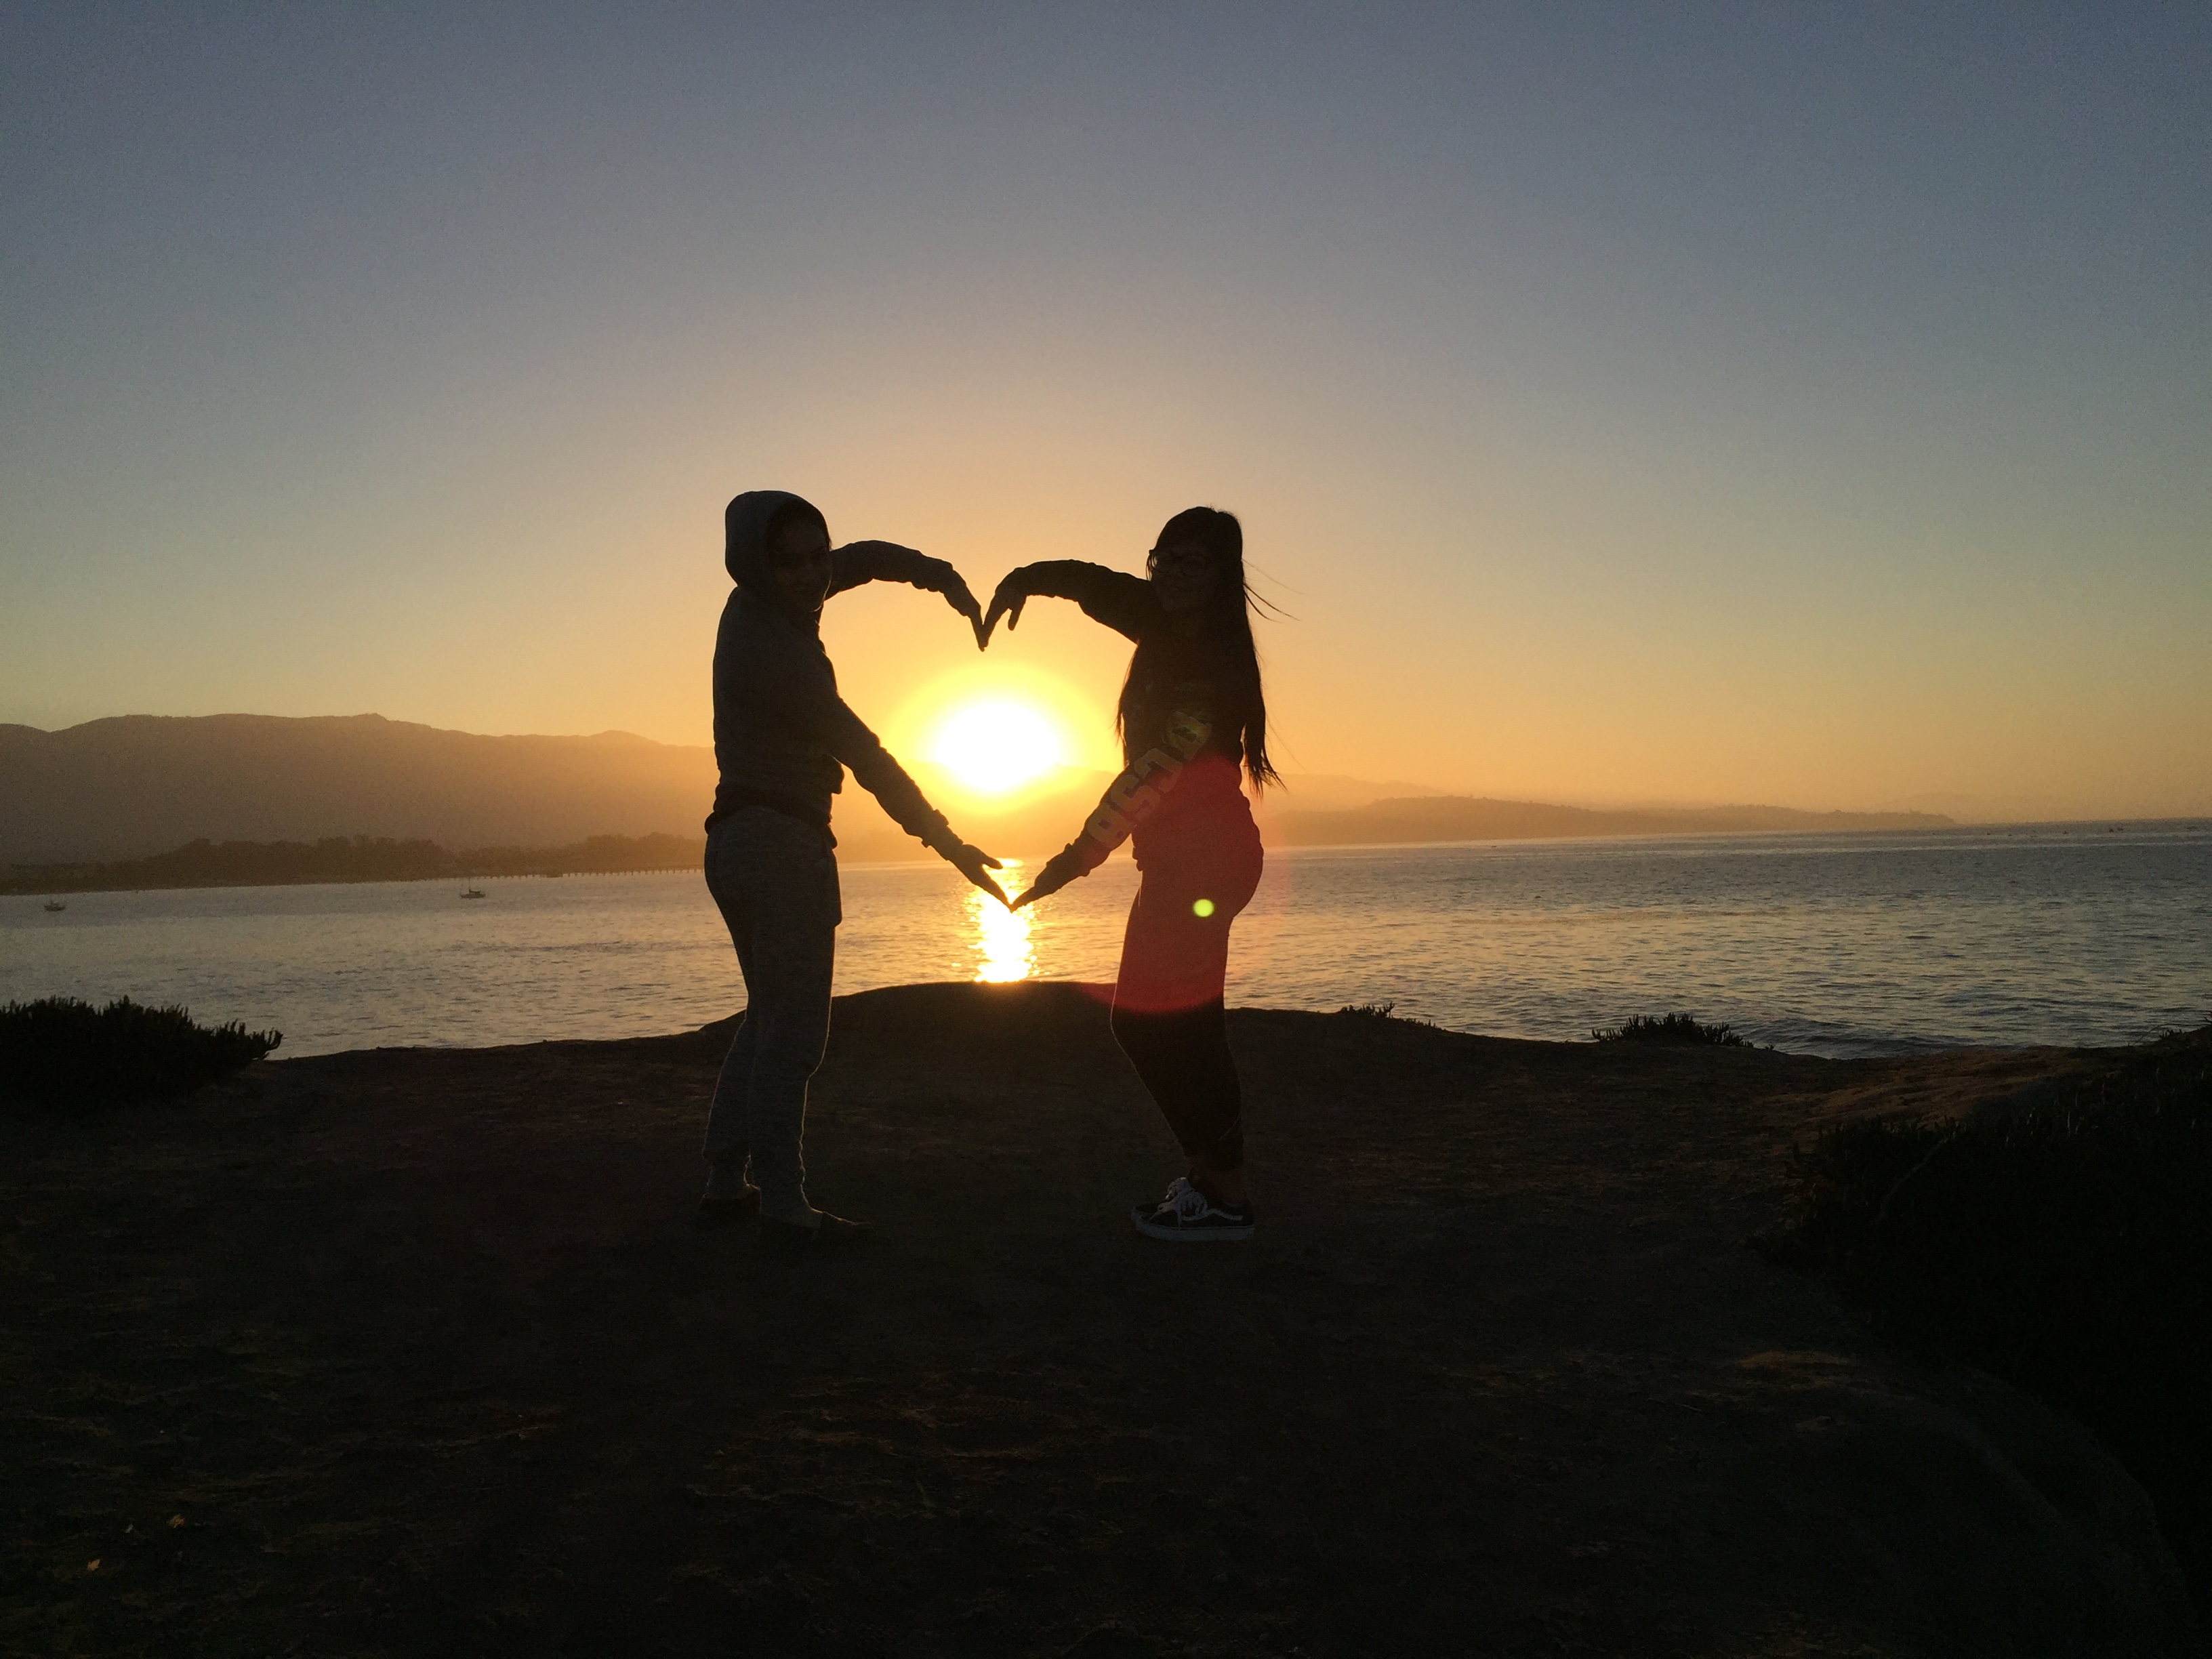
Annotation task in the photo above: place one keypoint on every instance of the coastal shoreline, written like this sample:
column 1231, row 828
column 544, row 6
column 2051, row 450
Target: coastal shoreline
column 616, row 855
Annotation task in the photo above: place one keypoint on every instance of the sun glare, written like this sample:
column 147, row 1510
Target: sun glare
column 994, row 745
column 1003, row 951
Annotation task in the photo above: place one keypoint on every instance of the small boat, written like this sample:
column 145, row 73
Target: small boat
column 472, row 892
column 56, row 904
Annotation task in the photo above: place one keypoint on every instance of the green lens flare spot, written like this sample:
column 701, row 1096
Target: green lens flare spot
column 1203, row 908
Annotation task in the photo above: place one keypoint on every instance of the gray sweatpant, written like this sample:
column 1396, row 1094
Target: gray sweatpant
column 775, row 879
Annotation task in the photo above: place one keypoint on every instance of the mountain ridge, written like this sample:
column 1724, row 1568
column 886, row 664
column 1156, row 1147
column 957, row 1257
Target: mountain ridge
column 133, row 786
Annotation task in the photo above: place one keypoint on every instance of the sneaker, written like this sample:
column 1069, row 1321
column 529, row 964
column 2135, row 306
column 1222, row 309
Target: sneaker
column 729, row 1198
column 832, row 1232
column 1188, row 1216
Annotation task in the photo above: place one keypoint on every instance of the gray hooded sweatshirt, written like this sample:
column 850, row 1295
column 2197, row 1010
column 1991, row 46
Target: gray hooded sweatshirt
column 782, row 735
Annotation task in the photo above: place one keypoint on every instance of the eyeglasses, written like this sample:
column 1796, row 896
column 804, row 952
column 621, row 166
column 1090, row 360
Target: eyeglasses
column 1179, row 558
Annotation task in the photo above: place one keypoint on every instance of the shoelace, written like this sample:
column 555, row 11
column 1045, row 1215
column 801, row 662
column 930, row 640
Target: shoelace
column 1190, row 1202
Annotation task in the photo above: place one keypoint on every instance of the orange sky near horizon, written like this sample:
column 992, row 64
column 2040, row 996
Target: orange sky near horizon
column 1808, row 414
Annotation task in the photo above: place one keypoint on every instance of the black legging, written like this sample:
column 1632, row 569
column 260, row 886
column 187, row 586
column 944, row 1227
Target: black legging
column 1168, row 1014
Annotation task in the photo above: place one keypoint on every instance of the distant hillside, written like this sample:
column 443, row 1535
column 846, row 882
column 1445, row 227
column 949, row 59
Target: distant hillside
column 1051, row 816
column 141, row 784
column 138, row 784
column 1322, row 791
column 1465, row 817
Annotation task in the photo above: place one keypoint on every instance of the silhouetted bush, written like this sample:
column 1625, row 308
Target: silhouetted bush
column 62, row 1052
column 2063, row 1244
column 1367, row 1009
column 1668, row 1028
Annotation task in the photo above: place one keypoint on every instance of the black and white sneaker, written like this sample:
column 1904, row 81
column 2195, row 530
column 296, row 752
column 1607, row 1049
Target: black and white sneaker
column 1188, row 1216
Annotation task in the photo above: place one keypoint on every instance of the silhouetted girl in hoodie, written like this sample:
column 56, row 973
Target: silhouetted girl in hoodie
column 782, row 740
column 1193, row 728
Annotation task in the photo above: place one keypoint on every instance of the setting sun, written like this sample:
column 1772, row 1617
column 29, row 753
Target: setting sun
column 994, row 745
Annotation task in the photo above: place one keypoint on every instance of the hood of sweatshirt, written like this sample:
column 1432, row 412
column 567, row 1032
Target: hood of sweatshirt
column 744, row 540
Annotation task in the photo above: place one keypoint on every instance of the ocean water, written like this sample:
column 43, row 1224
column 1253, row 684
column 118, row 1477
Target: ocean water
column 1833, row 944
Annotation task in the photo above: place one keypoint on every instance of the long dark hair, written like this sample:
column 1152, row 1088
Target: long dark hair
column 1228, row 624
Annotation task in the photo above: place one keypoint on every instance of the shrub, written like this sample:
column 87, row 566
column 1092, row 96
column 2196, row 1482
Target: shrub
column 62, row 1052
column 1669, row 1028
column 2064, row 1245
column 1367, row 1009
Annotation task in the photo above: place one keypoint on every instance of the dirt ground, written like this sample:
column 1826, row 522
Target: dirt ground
column 415, row 1352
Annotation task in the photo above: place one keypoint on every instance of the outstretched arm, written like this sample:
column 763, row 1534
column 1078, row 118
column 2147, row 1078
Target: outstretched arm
column 900, row 796
column 1124, row 603
column 810, row 705
column 887, row 781
column 1140, row 791
column 859, row 562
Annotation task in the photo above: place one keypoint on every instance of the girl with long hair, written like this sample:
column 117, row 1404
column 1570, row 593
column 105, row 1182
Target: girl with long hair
column 1194, row 726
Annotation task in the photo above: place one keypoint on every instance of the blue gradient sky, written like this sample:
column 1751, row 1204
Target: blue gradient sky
column 1799, row 404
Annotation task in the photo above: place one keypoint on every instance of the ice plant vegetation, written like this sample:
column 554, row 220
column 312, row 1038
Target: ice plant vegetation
column 61, row 1052
column 1669, row 1028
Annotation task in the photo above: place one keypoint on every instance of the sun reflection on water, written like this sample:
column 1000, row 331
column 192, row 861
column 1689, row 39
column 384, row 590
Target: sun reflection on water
column 1003, row 951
